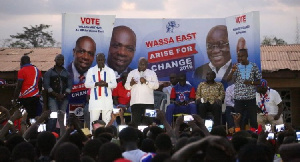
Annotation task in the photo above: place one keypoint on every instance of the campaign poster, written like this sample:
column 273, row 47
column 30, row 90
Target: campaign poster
column 193, row 46
column 92, row 34
column 243, row 32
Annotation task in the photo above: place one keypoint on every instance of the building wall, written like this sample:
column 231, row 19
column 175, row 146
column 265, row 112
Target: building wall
column 287, row 82
column 295, row 107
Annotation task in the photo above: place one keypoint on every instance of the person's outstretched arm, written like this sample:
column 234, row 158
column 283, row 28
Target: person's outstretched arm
column 33, row 128
column 191, row 149
column 10, row 123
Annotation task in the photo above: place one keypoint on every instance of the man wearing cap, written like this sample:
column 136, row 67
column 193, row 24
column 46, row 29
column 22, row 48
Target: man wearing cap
column 270, row 103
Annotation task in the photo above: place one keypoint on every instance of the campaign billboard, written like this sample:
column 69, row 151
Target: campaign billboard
column 190, row 45
column 83, row 36
column 194, row 46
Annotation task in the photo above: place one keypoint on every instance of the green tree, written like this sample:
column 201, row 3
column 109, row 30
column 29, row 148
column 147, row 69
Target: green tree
column 35, row 36
column 268, row 41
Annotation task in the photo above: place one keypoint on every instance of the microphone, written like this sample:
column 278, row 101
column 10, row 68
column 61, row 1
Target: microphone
column 142, row 74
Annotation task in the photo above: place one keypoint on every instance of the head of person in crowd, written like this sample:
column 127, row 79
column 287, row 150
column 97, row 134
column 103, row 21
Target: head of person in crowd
column 153, row 132
column 143, row 64
column 243, row 56
column 241, row 138
column 45, row 142
column 241, row 44
column 122, row 48
column 180, row 143
column 4, row 154
column 256, row 152
column 77, row 139
column 97, row 124
column 100, row 60
column 84, row 53
column 25, row 60
column 182, row 79
column 290, row 152
column 148, row 145
column 109, row 152
column 13, row 140
column 263, row 87
column 59, row 60
column 67, row 152
column 91, row 148
column 163, row 144
column 217, row 46
column 24, row 151
column 218, row 131
column 173, row 79
column 210, row 76
column 128, row 135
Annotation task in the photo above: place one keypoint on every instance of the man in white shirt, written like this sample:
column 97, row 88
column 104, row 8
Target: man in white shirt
column 142, row 82
column 101, row 79
column 269, row 102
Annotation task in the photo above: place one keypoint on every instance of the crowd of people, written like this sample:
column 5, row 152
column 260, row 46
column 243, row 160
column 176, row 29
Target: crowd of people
column 27, row 135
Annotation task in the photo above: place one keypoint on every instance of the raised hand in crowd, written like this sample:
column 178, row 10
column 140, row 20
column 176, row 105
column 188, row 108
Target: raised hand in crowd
column 4, row 114
column 262, row 137
column 178, row 122
column 221, row 147
column 113, row 118
column 200, row 123
column 161, row 116
column 34, row 127
column 10, row 124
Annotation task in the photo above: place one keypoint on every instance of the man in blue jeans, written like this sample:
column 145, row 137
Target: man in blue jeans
column 58, row 84
column 182, row 99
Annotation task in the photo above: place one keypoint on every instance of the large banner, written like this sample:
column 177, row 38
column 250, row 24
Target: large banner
column 191, row 46
column 194, row 46
column 83, row 36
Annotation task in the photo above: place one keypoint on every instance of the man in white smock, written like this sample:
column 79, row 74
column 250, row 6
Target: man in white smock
column 101, row 80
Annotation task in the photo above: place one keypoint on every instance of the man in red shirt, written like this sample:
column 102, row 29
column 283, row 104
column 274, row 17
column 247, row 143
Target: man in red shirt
column 121, row 96
column 28, row 87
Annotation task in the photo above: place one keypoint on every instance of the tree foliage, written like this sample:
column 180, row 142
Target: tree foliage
column 34, row 36
column 268, row 41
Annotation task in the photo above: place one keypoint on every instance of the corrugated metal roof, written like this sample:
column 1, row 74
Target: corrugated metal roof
column 273, row 58
column 42, row 58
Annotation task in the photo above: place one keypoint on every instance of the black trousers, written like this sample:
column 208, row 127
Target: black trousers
column 247, row 108
column 214, row 108
column 138, row 114
column 31, row 105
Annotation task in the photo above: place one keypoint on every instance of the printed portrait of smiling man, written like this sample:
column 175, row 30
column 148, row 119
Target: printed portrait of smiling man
column 83, row 54
column 218, row 52
column 121, row 49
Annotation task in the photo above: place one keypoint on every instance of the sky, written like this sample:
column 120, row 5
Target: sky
column 277, row 17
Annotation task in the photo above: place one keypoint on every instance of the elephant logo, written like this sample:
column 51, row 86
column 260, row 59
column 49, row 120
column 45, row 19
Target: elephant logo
column 171, row 25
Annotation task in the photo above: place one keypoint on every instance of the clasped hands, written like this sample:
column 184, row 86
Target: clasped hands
column 142, row 80
column 101, row 83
